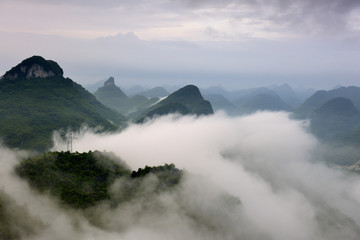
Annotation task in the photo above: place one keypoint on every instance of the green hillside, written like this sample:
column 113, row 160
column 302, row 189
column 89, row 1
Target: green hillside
column 81, row 180
column 35, row 100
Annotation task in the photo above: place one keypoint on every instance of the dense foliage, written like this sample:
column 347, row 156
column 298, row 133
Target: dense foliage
column 168, row 174
column 31, row 109
column 78, row 179
column 81, row 180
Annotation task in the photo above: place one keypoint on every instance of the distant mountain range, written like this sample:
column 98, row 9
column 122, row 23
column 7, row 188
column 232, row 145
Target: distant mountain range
column 262, row 102
column 322, row 108
column 335, row 119
column 113, row 97
column 36, row 99
column 334, row 115
column 156, row 101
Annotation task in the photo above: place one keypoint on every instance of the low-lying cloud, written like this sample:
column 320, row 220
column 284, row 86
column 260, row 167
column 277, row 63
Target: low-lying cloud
column 251, row 177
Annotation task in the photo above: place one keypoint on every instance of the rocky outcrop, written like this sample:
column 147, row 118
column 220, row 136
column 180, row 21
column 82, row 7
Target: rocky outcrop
column 35, row 67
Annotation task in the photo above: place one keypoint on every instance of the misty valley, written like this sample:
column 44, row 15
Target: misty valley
column 106, row 162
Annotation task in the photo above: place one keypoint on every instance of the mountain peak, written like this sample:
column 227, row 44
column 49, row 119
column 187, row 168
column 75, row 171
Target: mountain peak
column 187, row 93
column 187, row 100
column 338, row 106
column 110, row 82
column 35, row 67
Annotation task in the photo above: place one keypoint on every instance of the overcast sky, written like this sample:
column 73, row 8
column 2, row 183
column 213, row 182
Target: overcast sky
column 227, row 43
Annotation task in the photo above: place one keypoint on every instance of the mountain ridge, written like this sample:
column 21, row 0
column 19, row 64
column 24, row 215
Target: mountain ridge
column 33, row 105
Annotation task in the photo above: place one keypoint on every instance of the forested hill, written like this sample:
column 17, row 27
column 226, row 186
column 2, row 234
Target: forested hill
column 36, row 99
column 81, row 180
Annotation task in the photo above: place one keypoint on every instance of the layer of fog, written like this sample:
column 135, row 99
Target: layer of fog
column 250, row 177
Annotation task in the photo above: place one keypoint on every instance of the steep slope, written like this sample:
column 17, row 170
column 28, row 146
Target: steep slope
column 264, row 101
column 35, row 100
column 306, row 109
column 187, row 100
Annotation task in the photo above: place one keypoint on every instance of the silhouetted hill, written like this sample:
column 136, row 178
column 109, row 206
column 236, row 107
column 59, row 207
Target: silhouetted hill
column 156, row 92
column 110, row 95
column 319, row 98
column 187, row 100
column 35, row 100
column 247, row 94
column 287, row 94
column 219, row 102
column 134, row 90
column 335, row 119
column 264, row 102
column 113, row 97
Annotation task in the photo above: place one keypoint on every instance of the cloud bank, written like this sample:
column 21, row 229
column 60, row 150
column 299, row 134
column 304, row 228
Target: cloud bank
column 250, row 177
column 264, row 160
column 254, row 19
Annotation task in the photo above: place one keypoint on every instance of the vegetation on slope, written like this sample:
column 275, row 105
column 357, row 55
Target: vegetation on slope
column 81, row 180
column 34, row 102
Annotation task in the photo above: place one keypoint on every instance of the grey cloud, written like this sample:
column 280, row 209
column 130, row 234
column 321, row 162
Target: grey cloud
column 320, row 17
column 289, row 17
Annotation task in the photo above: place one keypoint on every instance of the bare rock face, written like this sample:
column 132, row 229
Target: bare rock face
column 35, row 67
column 37, row 71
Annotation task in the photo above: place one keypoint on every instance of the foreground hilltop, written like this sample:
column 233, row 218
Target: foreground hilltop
column 36, row 99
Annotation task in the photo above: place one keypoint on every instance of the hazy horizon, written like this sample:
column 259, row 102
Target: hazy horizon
column 234, row 44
